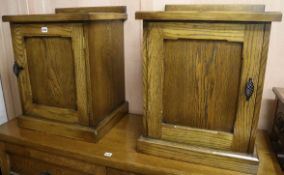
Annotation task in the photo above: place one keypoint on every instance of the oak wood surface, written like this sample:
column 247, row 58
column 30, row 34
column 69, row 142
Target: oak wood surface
column 42, row 83
column 194, row 136
column 194, row 154
column 61, row 17
column 197, row 80
column 259, row 91
column 209, row 16
column 73, row 73
column 215, row 7
column 106, row 66
column 51, row 71
column 121, row 141
column 201, row 83
column 250, row 70
column 115, row 9
column 26, row 166
column 75, row 131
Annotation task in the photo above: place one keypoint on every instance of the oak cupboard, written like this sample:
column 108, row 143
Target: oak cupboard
column 203, row 77
column 70, row 69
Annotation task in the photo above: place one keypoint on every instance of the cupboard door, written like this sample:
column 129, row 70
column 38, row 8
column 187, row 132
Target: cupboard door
column 51, row 70
column 195, row 78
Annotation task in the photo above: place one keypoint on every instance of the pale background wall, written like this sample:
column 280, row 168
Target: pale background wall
column 133, row 33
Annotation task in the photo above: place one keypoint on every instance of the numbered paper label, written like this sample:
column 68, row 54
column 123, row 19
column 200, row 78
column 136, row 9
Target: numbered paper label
column 44, row 29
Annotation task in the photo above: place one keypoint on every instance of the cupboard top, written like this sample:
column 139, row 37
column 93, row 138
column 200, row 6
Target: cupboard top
column 240, row 16
column 65, row 17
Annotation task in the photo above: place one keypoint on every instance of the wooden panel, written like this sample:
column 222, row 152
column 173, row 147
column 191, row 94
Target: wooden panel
column 61, row 161
column 260, row 86
column 51, row 71
column 211, row 157
column 215, row 7
column 250, row 69
column 4, row 160
column 116, row 9
column 61, row 17
column 210, row 31
column 26, row 166
column 153, row 74
column 206, row 74
column 201, row 137
column 111, row 171
column 105, row 42
column 121, row 141
column 75, row 68
column 209, row 16
column 71, row 131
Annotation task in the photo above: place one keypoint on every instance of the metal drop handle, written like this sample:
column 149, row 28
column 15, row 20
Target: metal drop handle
column 44, row 173
column 249, row 89
column 17, row 69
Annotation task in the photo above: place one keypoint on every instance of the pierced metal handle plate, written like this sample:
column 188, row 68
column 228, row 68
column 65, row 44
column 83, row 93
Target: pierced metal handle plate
column 17, row 69
column 249, row 89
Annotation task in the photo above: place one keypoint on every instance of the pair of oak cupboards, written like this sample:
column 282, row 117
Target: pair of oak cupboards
column 203, row 74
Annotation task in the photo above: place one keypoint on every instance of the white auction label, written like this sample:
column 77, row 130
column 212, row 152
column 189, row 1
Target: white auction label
column 107, row 154
column 44, row 29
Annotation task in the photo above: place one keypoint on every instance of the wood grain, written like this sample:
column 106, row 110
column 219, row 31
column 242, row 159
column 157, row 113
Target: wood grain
column 26, row 166
column 121, row 141
column 55, row 128
column 73, row 73
column 202, row 31
column 153, row 80
column 210, row 157
column 193, row 136
column 269, row 162
column 201, row 84
column 209, row 16
column 250, row 69
column 116, row 9
column 4, row 160
column 106, row 66
column 59, row 77
column 111, row 171
column 45, row 157
column 215, row 7
column 61, row 17
column 210, row 75
column 51, row 71
column 259, row 92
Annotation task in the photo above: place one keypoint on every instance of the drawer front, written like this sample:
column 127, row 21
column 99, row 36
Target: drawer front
column 23, row 159
column 28, row 166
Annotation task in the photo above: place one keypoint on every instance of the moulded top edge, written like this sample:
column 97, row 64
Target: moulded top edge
column 209, row 16
column 65, row 17
column 215, row 7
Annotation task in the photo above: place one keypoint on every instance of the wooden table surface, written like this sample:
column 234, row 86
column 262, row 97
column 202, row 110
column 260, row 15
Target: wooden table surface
column 121, row 141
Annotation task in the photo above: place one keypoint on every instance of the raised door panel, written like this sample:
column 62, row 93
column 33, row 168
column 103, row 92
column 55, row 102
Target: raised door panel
column 53, row 77
column 195, row 80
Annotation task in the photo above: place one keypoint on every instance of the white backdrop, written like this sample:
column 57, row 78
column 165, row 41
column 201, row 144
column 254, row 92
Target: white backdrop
column 133, row 33
column 3, row 114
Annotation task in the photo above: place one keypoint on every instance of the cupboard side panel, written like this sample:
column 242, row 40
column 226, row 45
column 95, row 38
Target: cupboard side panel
column 263, row 61
column 250, row 70
column 106, row 57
